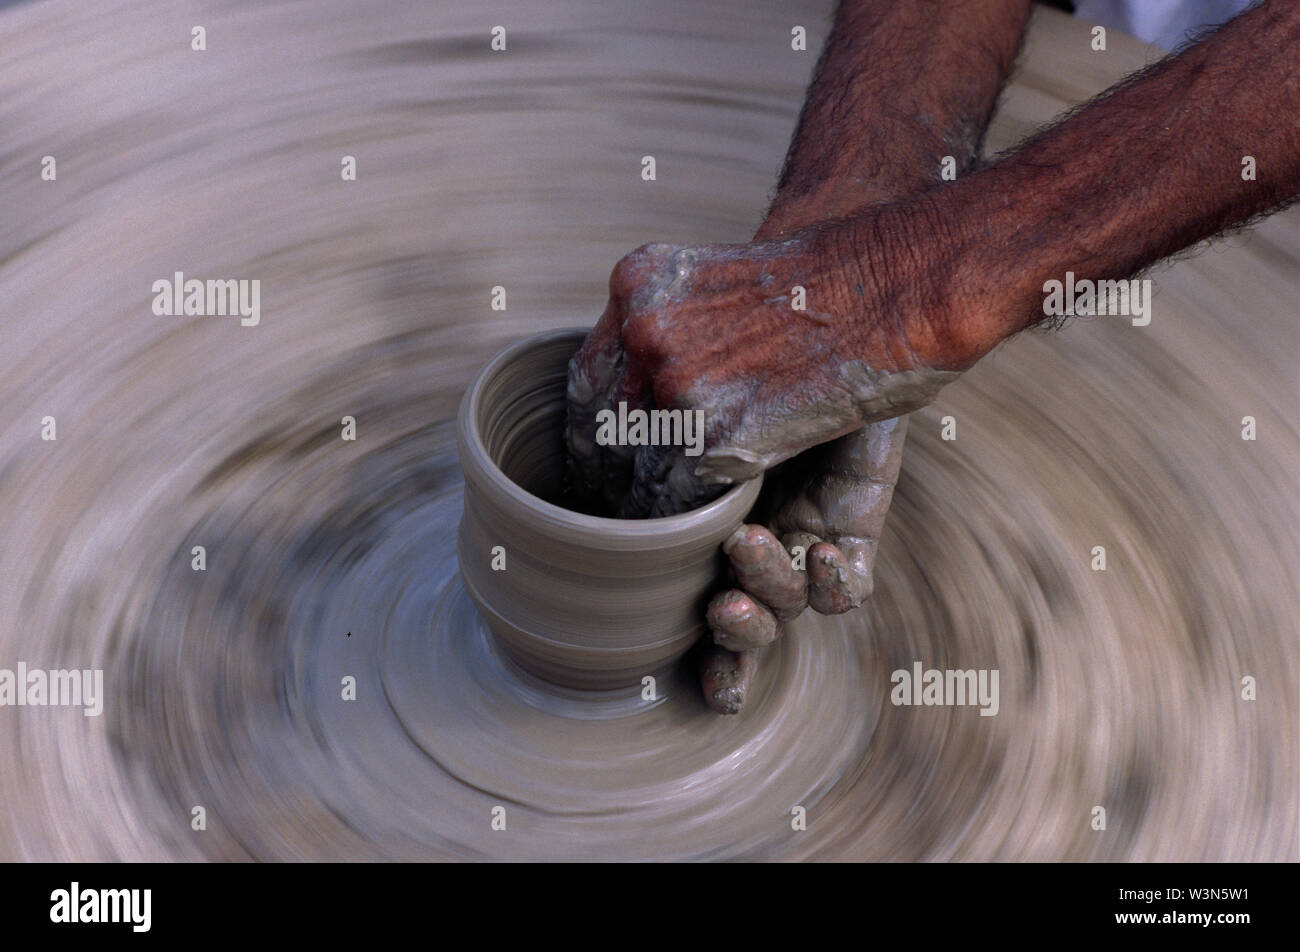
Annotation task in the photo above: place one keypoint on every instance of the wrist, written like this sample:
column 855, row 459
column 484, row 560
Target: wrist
column 897, row 270
column 795, row 207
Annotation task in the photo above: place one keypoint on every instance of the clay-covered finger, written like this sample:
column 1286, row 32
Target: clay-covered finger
column 740, row 622
column 666, row 480
column 594, row 377
column 837, row 583
column 874, row 452
column 764, row 568
column 664, row 484
column 726, row 677
column 854, row 494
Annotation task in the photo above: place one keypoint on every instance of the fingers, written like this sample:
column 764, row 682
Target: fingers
column 874, row 452
column 740, row 622
column 664, row 484
column 839, row 581
column 668, row 472
column 853, row 499
column 853, row 495
column 616, row 365
column 726, row 677
column 839, row 515
column 764, row 569
column 594, row 374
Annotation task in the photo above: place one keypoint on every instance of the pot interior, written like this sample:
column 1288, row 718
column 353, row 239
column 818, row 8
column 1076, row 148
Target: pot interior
column 521, row 418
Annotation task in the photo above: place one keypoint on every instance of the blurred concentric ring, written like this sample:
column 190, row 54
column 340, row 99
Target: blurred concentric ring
column 328, row 558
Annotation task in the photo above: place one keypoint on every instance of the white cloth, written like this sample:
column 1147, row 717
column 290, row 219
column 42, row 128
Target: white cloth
column 1163, row 23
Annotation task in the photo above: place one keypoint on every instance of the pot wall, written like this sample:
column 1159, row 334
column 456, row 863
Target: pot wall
column 584, row 601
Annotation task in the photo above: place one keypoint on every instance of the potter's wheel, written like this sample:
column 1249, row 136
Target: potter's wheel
column 1118, row 688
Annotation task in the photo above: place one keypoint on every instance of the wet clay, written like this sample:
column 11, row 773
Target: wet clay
column 328, row 558
column 576, row 599
column 867, row 396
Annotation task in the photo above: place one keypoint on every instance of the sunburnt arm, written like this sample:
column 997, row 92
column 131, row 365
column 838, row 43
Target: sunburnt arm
column 1056, row 204
column 899, row 298
column 900, row 89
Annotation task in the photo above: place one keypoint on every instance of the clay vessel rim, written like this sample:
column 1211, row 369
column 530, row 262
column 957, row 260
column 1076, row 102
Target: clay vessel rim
column 716, row 514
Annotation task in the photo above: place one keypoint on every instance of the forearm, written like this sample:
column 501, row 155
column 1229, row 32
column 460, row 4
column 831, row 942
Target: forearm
column 1148, row 169
column 862, row 318
column 900, row 85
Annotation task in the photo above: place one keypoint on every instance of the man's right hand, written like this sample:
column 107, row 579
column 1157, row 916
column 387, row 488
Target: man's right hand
column 868, row 135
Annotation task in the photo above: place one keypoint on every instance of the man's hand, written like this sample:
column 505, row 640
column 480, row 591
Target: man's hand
column 831, row 503
column 1145, row 170
column 781, row 345
column 933, row 281
column 870, row 343
column 865, row 138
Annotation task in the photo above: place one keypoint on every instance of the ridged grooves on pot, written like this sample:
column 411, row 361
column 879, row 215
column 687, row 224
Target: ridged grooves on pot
column 584, row 601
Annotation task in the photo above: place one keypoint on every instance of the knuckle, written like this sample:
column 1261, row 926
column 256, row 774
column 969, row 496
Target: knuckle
column 643, row 335
column 638, row 267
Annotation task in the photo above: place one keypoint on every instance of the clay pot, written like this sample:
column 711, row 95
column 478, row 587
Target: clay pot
column 583, row 601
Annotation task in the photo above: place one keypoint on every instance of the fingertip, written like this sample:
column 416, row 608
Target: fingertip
column 764, row 568
column 832, row 586
column 740, row 622
column 747, row 539
column 725, row 677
